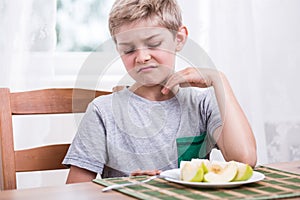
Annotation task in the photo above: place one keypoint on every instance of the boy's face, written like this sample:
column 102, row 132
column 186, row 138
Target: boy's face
column 147, row 51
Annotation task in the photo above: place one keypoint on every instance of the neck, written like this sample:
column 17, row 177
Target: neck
column 152, row 93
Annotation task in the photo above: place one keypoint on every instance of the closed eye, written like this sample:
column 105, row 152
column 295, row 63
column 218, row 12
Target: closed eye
column 129, row 51
column 154, row 45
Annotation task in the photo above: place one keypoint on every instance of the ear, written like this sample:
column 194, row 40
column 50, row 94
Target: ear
column 181, row 37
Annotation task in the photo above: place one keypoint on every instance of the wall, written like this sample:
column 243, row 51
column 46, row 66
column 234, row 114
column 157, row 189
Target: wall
column 256, row 43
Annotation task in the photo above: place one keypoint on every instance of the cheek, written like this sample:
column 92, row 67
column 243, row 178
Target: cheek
column 127, row 61
column 167, row 59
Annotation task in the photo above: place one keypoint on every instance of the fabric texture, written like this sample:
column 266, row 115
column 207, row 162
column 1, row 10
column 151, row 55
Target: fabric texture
column 191, row 147
column 123, row 132
column 276, row 185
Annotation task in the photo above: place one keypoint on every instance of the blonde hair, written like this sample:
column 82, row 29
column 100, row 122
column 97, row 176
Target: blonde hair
column 167, row 12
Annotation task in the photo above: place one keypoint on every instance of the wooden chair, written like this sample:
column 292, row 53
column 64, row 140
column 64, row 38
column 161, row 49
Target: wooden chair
column 46, row 101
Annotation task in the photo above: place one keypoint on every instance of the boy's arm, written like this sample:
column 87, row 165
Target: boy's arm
column 235, row 138
column 145, row 172
column 77, row 175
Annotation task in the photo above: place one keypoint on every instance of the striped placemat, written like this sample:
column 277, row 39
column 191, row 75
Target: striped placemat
column 277, row 184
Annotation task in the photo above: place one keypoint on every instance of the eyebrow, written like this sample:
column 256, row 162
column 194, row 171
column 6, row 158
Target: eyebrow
column 147, row 39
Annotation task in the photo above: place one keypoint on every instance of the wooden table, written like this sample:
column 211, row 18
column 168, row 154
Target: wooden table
column 293, row 167
column 79, row 191
column 93, row 191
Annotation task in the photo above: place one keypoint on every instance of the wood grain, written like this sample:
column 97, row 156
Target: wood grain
column 45, row 101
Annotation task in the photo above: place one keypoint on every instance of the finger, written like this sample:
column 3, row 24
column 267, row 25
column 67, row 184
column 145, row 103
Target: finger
column 174, row 80
column 135, row 173
column 145, row 172
column 186, row 84
column 151, row 172
column 118, row 88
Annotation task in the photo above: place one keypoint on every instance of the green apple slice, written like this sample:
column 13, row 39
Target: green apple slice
column 219, row 174
column 204, row 163
column 191, row 173
column 182, row 164
column 245, row 172
column 215, row 166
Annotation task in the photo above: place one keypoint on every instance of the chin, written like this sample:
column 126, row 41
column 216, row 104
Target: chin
column 151, row 83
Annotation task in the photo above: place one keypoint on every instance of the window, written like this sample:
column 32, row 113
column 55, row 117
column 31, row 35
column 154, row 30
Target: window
column 81, row 25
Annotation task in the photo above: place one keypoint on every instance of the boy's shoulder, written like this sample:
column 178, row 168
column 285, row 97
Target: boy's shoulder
column 105, row 99
column 184, row 94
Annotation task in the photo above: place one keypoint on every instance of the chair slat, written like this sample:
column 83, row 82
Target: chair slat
column 41, row 158
column 7, row 165
column 53, row 101
column 46, row 101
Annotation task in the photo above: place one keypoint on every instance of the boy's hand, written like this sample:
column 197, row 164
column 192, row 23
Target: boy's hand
column 145, row 172
column 191, row 77
column 118, row 88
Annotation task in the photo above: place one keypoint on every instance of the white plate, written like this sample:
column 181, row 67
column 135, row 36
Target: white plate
column 173, row 176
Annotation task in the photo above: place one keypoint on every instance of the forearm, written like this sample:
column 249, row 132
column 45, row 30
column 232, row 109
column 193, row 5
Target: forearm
column 77, row 175
column 235, row 138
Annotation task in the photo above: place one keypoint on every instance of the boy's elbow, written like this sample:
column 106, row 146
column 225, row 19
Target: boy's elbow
column 243, row 155
column 249, row 157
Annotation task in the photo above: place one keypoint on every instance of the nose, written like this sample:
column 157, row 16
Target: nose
column 142, row 55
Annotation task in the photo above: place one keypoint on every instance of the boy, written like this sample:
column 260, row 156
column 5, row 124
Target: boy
column 143, row 129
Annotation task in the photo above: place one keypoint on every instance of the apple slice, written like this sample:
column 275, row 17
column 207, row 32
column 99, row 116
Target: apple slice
column 244, row 172
column 191, row 172
column 182, row 163
column 201, row 163
column 220, row 174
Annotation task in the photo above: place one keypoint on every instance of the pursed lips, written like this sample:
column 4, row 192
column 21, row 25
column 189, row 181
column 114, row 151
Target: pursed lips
column 146, row 68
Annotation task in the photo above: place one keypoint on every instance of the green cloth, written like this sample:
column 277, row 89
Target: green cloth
column 191, row 147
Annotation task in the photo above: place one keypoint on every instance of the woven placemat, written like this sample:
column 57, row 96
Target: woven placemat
column 277, row 184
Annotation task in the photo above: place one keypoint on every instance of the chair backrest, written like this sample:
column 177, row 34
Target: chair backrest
column 46, row 101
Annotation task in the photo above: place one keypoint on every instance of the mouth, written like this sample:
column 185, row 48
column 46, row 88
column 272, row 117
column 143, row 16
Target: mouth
column 146, row 68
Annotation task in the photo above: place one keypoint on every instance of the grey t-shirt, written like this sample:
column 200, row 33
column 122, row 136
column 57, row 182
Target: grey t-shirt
column 123, row 132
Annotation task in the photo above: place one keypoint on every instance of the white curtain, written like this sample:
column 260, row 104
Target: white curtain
column 26, row 27
column 256, row 43
column 27, row 38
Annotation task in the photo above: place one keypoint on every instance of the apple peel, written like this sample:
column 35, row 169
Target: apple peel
column 203, row 170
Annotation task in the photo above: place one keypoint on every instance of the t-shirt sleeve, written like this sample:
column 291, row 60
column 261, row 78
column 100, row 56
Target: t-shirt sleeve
column 88, row 149
column 212, row 113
